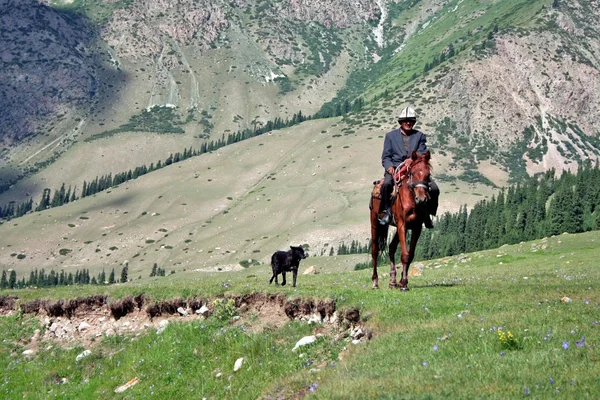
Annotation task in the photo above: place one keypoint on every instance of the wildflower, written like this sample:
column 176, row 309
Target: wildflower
column 424, row 363
column 551, row 381
column 313, row 387
column 526, row 391
column 581, row 342
column 587, row 302
column 502, row 354
column 571, row 382
column 435, row 347
column 565, row 345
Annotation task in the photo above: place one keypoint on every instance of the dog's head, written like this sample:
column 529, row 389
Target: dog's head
column 298, row 252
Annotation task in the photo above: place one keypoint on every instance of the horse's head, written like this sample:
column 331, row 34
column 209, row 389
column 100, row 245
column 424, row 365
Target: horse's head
column 419, row 176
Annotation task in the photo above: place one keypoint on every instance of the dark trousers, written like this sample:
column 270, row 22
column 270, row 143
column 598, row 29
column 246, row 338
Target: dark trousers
column 386, row 193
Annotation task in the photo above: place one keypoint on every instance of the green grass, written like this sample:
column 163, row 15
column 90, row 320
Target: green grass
column 440, row 339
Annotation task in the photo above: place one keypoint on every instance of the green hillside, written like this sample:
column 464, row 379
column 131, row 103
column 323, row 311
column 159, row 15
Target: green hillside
column 516, row 321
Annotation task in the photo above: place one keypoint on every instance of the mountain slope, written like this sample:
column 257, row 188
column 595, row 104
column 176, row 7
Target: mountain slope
column 244, row 201
column 503, row 89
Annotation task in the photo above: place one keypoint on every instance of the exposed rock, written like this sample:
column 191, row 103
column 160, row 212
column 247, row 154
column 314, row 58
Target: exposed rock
column 312, row 270
column 162, row 326
column 83, row 355
column 202, row 310
column 305, row 341
column 83, row 326
column 182, row 311
column 238, row 364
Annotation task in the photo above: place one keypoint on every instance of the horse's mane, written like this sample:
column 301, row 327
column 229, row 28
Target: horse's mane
column 420, row 160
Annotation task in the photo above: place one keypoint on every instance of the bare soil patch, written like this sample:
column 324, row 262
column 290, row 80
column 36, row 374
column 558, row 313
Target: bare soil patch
column 84, row 321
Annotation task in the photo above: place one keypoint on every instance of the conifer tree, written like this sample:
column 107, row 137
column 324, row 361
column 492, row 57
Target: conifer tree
column 111, row 278
column 124, row 273
column 3, row 280
column 12, row 280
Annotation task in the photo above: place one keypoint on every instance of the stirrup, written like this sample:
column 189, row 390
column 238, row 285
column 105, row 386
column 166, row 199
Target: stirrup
column 385, row 218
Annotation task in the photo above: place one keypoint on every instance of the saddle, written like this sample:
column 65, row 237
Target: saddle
column 399, row 177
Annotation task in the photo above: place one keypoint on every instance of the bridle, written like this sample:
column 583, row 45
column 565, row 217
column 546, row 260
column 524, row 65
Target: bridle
column 418, row 184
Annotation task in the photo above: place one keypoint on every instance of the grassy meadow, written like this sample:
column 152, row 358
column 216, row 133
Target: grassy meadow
column 518, row 321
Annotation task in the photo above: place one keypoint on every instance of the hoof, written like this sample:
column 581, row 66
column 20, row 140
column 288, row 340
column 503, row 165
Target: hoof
column 404, row 288
column 375, row 287
column 393, row 285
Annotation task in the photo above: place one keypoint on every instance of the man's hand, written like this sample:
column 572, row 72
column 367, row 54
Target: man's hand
column 390, row 170
column 408, row 162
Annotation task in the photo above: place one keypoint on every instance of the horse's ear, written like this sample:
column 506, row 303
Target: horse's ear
column 414, row 155
column 427, row 155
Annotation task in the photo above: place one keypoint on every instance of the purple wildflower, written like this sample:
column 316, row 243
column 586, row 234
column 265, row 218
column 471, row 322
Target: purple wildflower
column 581, row 342
column 547, row 336
column 502, row 354
column 424, row 363
column 313, row 387
column 551, row 381
column 526, row 391
column 565, row 345
column 435, row 347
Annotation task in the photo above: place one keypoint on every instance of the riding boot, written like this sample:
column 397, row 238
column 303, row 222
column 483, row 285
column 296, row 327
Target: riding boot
column 427, row 221
column 385, row 214
column 434, row 195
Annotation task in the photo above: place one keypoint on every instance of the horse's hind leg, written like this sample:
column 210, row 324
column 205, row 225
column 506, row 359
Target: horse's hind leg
column 393, row 248
column 375, row 243
column 374, row 255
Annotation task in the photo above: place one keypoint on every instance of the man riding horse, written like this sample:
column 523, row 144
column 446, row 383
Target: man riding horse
column 398, row 146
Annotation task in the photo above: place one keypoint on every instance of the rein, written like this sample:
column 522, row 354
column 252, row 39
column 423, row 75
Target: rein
column 412, row 185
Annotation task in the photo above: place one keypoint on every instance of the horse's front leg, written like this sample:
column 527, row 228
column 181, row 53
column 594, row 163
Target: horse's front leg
column 404, row 258
column 414, row 238
column 393, row 248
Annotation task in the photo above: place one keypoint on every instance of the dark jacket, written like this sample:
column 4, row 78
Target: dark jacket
column 394, row 152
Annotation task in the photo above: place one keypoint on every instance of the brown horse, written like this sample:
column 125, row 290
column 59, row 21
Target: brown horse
column 409, row 209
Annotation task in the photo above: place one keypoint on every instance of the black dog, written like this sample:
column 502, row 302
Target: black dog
column 286, row 261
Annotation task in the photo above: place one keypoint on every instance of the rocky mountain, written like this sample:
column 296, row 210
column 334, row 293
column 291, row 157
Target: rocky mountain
column 47, row 69
column 503, row 88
